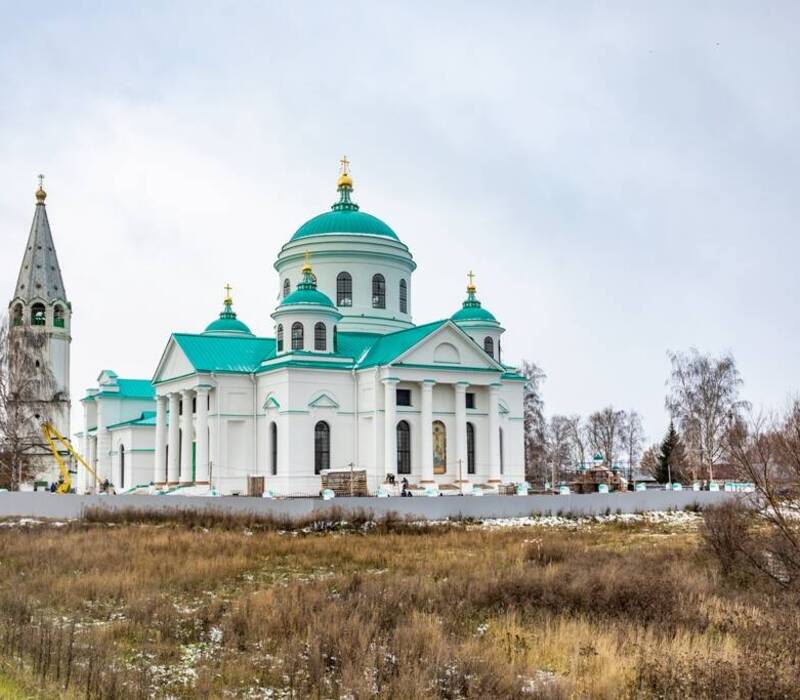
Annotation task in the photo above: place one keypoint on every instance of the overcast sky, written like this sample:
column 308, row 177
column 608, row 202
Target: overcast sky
column 622, row 177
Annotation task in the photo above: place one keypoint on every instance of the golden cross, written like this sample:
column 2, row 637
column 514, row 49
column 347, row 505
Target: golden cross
column 41, row 182
column 471, row 276
column 345, row 165
column 308, row 258
column 228, row 290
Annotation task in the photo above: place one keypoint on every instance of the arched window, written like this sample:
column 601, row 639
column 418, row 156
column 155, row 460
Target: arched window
column 439, row 448
column 378, row 292
column 403, row 448
column 273, row 429
column 18, row 315
column 297, row 336
column 344, row 289
column 335, row 340
column 37, row 315
column 287, row 287
column 403, row 297
column 122, row 466
column 488, row 345
column 320, row 337
column 470, row 448
column 58, row 316
column 322, row 447
column 502, row 457
column 279, row 337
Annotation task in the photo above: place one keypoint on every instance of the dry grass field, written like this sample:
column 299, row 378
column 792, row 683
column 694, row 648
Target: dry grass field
column 207, row 607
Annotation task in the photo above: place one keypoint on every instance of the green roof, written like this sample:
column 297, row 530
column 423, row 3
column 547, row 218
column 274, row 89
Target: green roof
column 225, row 353
column 212, row 353
column 392, row 345
column 345, row 217
column 147, row 418
column 136, row 388
column 127, row 389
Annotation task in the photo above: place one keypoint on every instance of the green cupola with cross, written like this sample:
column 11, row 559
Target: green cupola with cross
column 478, row 321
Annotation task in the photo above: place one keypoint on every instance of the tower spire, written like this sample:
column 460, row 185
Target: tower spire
column 40, row 274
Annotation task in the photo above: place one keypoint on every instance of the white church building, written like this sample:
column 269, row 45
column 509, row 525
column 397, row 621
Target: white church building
column 345, row 380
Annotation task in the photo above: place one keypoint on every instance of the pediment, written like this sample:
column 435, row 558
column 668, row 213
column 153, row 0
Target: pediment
column 174, row 363
column 448, row 346
column 323, row 399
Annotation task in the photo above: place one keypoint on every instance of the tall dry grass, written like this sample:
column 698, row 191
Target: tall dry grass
column 205, row 608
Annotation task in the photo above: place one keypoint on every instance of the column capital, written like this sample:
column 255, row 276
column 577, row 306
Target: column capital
column 390, row 381
column 461, row 386
column 495, row 387
column 187, row 392
column 202, row 389
column 428, row 383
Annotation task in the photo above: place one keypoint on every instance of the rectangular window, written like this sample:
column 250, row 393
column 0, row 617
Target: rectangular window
column 404, row 397
column 470, row 400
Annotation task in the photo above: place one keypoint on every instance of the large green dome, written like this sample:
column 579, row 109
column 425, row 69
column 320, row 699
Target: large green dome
column 345, row 221
column 345, row 217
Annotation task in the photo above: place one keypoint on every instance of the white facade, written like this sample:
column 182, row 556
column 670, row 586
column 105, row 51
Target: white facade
column 343, row 380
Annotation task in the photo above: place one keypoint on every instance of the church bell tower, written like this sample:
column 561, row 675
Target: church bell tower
column 40, row 306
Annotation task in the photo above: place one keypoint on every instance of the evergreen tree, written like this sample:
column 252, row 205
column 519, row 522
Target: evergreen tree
column 670, row 459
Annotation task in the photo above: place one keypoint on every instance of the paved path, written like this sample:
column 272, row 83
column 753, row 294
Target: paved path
column 47, row 505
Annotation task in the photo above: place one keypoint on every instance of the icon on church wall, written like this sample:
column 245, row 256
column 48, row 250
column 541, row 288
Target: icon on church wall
column 439, row 448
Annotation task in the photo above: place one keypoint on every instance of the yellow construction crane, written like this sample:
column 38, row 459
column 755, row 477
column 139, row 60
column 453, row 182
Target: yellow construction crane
column 52, row 435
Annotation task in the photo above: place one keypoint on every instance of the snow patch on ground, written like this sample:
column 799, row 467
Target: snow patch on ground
column 678, row 518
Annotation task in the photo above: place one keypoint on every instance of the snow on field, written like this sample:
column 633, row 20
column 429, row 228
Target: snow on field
column 677, row 518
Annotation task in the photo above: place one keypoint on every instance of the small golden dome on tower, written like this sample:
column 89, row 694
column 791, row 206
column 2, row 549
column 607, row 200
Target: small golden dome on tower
column 41, row 195
column 344, row 177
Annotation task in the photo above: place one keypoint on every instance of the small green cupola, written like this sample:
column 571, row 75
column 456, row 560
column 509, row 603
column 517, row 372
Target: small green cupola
column 307, row 292
column 478, row 322
column 471, row 309
column 305, row 321
column 227, row 323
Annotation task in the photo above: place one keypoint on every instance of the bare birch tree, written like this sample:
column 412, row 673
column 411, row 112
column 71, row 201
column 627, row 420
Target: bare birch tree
column 558, row 447
column 765, row 451
column 27, row 398
column 703, row 398
column 632, row 439
column 579, row 438
column 535, row 424
column 606, row 429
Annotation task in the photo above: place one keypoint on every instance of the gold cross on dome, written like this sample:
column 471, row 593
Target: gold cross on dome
column 41, row 182
column 228, row 290
column 471, row 276
column 345, row 165
column 308, row 259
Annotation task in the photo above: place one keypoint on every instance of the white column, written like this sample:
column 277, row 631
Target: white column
column 460, row 466
column 390, row 429
column 91, row 458
column 103, row 445
column 173, row 467
column 494, row 434
column 426, row 431
column 202, row 435
column 186, row 437
column 84, row 478
column 159, row 460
